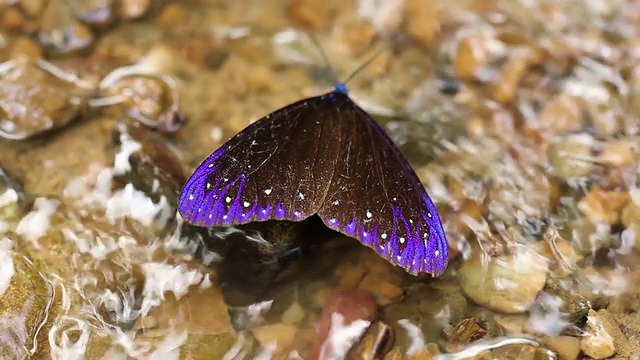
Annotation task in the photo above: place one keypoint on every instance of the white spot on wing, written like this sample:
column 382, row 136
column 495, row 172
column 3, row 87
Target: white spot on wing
column 437, row 252
column 429, row 215
column 336, row 202
column 228, row 199
column 246, row 204
column 402, row 240
column 301, row 196
column 191, row 197
column 369, row 214
column 383, row 236
column 267, row 191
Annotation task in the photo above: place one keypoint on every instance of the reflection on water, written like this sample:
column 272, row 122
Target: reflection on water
column 530, row 152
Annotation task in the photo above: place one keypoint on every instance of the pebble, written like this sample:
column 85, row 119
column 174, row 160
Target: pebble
column 134, row 9
column 566, row 347
column 60, row 33
column 508, row 283
column 572, row 156
column 604, row 207
column 564, row 113
column 385, row 292
column 281, row 335
column 597, row 342
column 34, row 100
column 346, row 316
column 423, row 21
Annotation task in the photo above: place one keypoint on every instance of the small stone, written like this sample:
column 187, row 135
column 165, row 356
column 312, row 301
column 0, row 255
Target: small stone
column 12, row 20
column 33, row 99
column 508, row 283
column 512, row 72
column 24, row 46
column 423, row 21
column 603, row 206
column 471, row 56
column 134, row 9
column 351, row 309
column 282, row 335
column 61, row 35
column 97, row 13
column 588, row 237
column 571, row 156
column 567, row 347
column 630, row 214
column 618, row 152
column 597, row 342
column 562, row 114
column 384, row 291
column 172, row 14
column 293, row 314
column 32, row 8
column 310, row 13
column 376, row 342
column 350, row 274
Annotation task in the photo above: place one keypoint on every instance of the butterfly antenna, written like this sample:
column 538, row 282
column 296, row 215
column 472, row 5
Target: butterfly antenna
column 365, row 64
column 324, row 56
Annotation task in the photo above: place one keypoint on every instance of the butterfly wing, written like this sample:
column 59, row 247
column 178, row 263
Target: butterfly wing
column 276, row 168
column 324, row 156
column 376, row 197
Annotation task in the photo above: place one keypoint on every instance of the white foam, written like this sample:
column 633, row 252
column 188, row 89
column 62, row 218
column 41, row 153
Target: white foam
column 128, row 146
column 6, row 265
column 160, row 278
column 8, row 197
column 36, row 223
column 132, row 203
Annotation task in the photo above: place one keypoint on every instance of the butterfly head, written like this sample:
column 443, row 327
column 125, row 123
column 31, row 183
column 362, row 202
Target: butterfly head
column 341, row 88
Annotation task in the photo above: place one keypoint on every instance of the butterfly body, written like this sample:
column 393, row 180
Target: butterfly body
column 321, row 156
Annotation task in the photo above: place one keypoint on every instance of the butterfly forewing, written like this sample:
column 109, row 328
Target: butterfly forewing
column 273, row 169
column 324, row 156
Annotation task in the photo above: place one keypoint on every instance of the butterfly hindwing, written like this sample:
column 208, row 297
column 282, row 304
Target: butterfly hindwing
column 376, row 197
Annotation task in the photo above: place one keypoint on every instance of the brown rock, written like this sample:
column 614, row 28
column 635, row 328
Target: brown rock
column 423, row 21
column 567, row 347
column 343, row 308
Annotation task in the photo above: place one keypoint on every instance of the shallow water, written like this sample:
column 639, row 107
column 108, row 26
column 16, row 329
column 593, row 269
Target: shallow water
column 520, row 117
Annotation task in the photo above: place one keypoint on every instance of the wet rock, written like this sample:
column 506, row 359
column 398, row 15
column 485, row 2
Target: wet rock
column 566, row 347
column 347, row 314
column 597, row 342
column 134, row 9
column 514, row 69
column 572, row 156
column 375, row 343
column 147, row 160
column 603, row 206
column 587, row 237
column 425, row 310
column 469, row 330
column 60, row 33
column 25, row 47
column 471, row 57
column 423, row 21
column 13, row 200
column 281, row 336
column 508, row 283
column 573, row 306
column 564, row 113
column 149, row 98
column 34, row 98
column 98, row 13
column 313, row 14
column 25, row 300
column 618, row 152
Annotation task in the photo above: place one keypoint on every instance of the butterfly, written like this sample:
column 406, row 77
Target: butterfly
column 321, row 156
